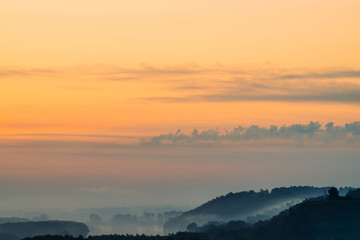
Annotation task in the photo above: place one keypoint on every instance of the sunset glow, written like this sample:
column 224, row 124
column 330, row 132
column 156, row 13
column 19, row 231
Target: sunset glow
column 87, row 88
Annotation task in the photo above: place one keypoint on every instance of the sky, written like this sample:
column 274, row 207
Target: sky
column 124, row 103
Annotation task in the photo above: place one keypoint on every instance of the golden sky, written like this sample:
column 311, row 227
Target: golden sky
column 97, row 66
column 113, row 71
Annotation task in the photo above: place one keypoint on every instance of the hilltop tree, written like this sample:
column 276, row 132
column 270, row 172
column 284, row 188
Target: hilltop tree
column 333, row 193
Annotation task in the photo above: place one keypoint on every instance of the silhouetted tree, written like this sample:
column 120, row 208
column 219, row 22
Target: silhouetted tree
column 333, row 193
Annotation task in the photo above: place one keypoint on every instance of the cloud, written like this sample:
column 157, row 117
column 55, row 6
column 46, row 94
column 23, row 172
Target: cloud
column 330, row 86
column 218, row 83
column 345, row 96
column 252, row 73
column 64, row 135
column 24, row 72
column 323, row 75
column 189, row 87
column 144, row 70
column 147, row 72
column 313, row 131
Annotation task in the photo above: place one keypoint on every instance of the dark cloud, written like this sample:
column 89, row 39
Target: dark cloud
column 346, row 96
column 323, row 75
column 312, row 131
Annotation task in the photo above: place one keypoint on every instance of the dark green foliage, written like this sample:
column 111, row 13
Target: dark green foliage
column 29, row 229
column 54, row 237
column 333, row 193
column 215, row 230
column 313, row 219
column 354, row 193
column 177, row 236
column 8, row 236
column 242, row 205
column 13, row 220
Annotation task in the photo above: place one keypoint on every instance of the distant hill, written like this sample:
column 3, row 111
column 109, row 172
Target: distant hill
column 177, row 236
column 354, row 193
column 213, row 228
column 313, row 219
column 13, row 220
column 329, row 217
column 250, row 206
column 20, row 230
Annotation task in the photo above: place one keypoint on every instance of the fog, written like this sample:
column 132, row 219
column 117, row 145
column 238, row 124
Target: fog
column 58, row 177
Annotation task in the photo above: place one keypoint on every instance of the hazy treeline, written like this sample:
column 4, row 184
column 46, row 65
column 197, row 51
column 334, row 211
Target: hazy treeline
column 316, row 216
column 19, row 230
column 353, row 193
column 42, row 217
column 107, row 220
column 13, row 220
column 313, row 130
column 177, row 236
column 249, row 206
column 327, row 217
column 147, row 222
column 331, row 216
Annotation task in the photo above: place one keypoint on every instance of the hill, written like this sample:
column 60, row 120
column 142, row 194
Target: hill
column 13, row 220
column 20, row 230
column 315, row 219
column 329, row 217
column 250, row 206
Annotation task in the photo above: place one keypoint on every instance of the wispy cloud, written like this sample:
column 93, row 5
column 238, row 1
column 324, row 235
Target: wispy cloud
column 323, row 75
column 144, row 70
column 254, row 136
column 218, row 83
column 9, row 72
column 232, row 86
column 344, row 96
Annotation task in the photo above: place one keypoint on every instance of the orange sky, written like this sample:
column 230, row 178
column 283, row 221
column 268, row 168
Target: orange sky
column 93, row 67
column 113, row 71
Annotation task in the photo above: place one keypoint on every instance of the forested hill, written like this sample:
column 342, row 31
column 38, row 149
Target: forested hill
column 313, row 219
column 13, row 220
column 322, row 218
column 177, row 236
column 19, row 230
column 250, row 206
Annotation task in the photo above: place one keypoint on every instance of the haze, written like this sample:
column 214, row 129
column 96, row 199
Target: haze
column 93, row 94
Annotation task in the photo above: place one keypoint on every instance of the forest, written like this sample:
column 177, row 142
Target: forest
column 329, row 216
